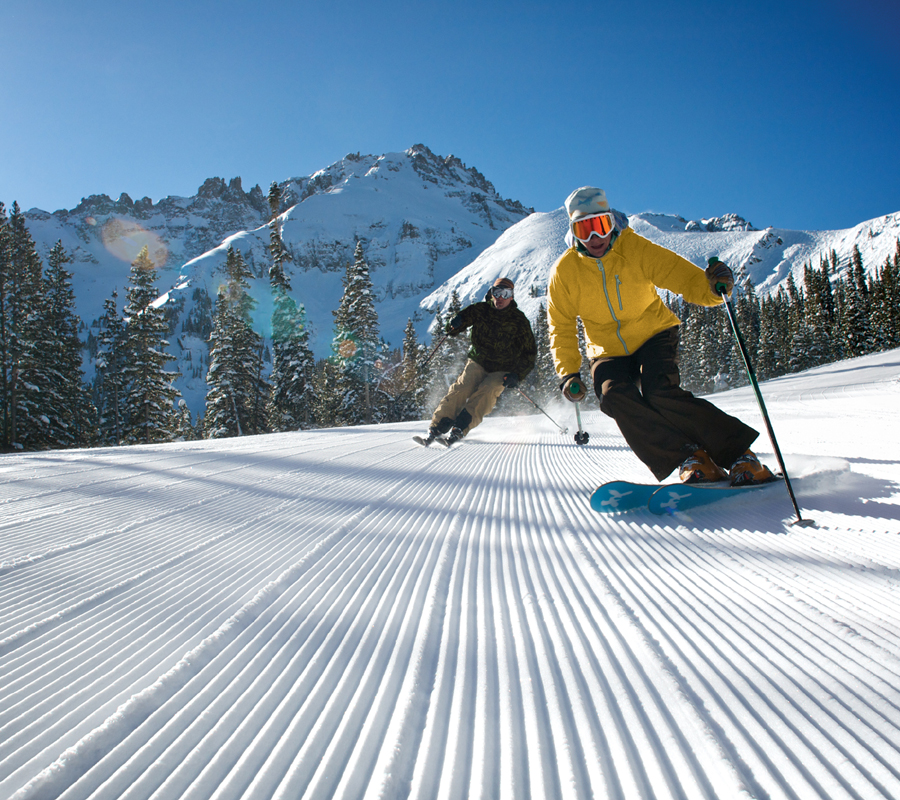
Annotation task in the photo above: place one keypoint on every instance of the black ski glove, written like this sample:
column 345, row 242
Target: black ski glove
column 454, row 327
column 511, row 380
column 720, row 276
column 573, row 387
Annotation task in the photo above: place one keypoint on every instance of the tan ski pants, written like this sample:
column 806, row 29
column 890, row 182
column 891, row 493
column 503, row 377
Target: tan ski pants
column 469, row 400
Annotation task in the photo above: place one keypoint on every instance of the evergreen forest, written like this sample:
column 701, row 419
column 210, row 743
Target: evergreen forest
column 258, row 386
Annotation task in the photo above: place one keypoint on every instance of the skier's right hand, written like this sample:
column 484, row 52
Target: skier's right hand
column 573, row 387
column 454, row 327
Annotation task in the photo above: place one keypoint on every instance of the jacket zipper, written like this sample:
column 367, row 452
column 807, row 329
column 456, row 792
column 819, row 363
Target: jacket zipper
column 609, row 303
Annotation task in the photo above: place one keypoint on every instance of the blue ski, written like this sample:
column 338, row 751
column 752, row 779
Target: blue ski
column 621, row 496
column 669, row 498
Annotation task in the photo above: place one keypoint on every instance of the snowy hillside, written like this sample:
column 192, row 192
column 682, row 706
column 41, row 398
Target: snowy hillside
column 340, row 613
column 527, row 251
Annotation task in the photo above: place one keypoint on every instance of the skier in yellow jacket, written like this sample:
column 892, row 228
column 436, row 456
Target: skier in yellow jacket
column 609, row 277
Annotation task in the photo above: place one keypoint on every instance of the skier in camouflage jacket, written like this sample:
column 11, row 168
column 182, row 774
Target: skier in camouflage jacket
column 502, row 353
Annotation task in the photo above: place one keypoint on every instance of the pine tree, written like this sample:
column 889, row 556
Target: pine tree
column 22, row 307
column 819, row 312
column 747, row 310
column 67, row 404
column 542, row 383
column 109, row 385
column 328, row 398
column 456, row 349
column 432, row 375
column 234, row 405
column 355, row 346
column 412, row 393
column 854, row 325
column 884, row 305
column 150, row 394
column 292, row 401
column 772, row 353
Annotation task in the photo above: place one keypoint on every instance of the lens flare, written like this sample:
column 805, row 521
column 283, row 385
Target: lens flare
column 125, row 239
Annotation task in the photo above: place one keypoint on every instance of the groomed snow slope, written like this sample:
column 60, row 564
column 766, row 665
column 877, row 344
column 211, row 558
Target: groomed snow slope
column 344, row 614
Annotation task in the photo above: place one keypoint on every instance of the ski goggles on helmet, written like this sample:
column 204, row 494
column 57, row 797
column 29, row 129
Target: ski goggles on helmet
column 594, row 225
column 501, row 291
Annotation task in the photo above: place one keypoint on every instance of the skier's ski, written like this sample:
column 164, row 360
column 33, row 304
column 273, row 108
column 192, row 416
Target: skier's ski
column 621, row 496
column 669, row 498
column 666, row 498
column 421, row 440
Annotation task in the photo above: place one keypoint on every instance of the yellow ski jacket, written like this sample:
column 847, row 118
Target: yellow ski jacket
column 616, row 298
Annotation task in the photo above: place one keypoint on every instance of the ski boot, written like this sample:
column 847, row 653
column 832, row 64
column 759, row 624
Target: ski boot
column 748, row 471
column 700, row 468
column 433, row 433
column 455, row 436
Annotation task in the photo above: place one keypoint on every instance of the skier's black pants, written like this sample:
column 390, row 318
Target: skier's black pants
column 663, row 423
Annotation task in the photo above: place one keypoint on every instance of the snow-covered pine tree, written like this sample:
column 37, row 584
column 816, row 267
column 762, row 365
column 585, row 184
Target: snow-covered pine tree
column 328, row 399
column 68, row 405
column 455, row 351
column 855, row 326
column 746, row 307
column 885, row 303
column 400, row 391
column 355, row 346
column 544, row 383
column 109, row 384
column 292, row 400
column 22, row 308
column 772, row 353
column 233, row 403
column 819, row 312
column 150, row 393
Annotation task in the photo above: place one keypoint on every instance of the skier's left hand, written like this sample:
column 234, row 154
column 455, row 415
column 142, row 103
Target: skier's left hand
column 511, row 380
column 454, row 327
column 720, row 276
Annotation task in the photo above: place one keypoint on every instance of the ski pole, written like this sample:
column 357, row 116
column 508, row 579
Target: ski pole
column 433, row 351
column 564, row 430
column 582, row 436
column 428, row 358
column 745, row 355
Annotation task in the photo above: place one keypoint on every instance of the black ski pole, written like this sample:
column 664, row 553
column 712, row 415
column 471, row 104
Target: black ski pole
column 582, row 436
column 564, row 430
column 433, row 351
column 745, row 355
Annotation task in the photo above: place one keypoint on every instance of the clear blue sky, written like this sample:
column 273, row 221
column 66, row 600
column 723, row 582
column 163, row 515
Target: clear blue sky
column 783, row 111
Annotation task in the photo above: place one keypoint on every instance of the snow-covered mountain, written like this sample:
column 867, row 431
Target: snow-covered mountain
column 429, row 224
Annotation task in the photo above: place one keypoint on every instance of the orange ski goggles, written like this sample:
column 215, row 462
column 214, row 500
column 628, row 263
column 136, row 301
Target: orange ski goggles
column 595, row 225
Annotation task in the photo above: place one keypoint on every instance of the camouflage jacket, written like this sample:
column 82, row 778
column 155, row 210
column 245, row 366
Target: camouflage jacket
column 502, row 341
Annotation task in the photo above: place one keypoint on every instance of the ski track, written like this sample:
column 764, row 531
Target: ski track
column 345, row 614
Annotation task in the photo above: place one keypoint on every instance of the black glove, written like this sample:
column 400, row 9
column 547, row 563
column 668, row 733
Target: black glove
column 454, row 327
column 511, row 380
column 573, row 387
column 720, row 276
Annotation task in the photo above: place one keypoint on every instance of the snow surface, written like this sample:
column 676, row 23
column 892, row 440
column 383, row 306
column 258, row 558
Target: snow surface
column 341, row 613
